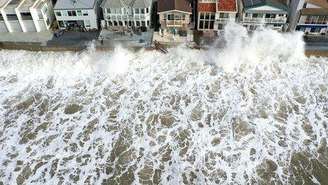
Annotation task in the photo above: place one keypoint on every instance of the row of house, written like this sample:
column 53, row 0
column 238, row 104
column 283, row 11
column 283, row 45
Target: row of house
column 310, row 16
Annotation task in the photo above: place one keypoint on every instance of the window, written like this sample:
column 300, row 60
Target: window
column 170, row 17
column 85, row 13
column 255, row 15
column 220, row 26
column 47, row 21
column 143, row 23
column 108, row 10
column 137, row 23
column 136, row 10
column 58, row 14
column 206, row 20
column 26, row 16
column 12, row 17
column 142, row 11
column 1, row 18
column 71, row 13
column 79, row 13
column 224, row 15
column 147, row 10
column 61, row 24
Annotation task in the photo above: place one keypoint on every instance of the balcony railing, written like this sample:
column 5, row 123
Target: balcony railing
column 175, row 22
column 224, row 20
column 265, row 20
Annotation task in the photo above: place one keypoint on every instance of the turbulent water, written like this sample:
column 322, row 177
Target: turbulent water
column 253, row 112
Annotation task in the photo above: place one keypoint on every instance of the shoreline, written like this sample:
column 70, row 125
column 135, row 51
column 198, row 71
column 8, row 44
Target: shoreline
column 78, row 48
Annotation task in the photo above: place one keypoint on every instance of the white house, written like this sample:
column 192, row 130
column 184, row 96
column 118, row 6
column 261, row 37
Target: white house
column 26, row 15
column 269, row 13
column 10, row 17
column 312, row 17
column 77, row 14
column 127, row 13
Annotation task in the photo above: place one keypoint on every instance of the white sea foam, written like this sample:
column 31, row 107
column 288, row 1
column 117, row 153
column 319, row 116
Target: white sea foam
column 232, row 115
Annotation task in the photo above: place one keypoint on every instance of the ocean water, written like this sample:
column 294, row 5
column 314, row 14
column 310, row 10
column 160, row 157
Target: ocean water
column 252, row 112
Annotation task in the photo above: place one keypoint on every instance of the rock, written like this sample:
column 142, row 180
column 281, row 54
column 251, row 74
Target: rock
column 72, row 108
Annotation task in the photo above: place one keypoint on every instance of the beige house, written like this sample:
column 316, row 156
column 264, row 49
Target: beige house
column 174, row 16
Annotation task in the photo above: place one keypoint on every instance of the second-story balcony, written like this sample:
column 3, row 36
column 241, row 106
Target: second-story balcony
column 225, row 20
column 174, row 23
column 265, row 20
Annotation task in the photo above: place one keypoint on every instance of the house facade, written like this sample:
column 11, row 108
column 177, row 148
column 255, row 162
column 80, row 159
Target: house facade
column 26, row 16
column 174, row 15
column 128, row 13
column 77, row 14
column 268, row 13
column 312, row 18
column 213, row 15
column 206, row 15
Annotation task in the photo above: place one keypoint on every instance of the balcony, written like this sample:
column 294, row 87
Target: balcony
column 224, row 20
column 175, row 23
column 265, row 20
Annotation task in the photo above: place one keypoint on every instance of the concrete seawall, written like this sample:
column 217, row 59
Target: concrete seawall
column 77, row 48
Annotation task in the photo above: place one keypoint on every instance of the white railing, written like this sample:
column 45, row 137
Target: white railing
column 224, row 20
column 174, row 22
column 265, row 20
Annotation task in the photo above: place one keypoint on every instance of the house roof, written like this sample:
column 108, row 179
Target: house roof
column 168, row 5
column 206, row 7
column 227, row 5
column 126, row 3
column 314, row 11
column 320, row 3
column 248, row 4
column 74, row 4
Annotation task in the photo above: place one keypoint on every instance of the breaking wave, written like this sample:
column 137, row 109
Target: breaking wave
column 252, row 112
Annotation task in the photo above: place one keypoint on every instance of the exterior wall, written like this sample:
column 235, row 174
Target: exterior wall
column 26, row 22
column 222, row 18
column 274, row 20
column 312, row 24
column 294, row 13
column 3, row 27
column 181, row 23
column 12, row 24
column 39, row 19
column 87, row 16
column 127, row 17
column 206, row 21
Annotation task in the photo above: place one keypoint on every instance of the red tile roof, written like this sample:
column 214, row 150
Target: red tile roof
column 227, row 5
column 206, row 7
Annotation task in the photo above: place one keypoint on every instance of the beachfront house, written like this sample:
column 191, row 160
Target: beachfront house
column 206, row 15
column 312, row 17
column 78, row 15
column 214, row 14
column 26, row 15
column 268, row 13
column 127, row 13
column 174, row 16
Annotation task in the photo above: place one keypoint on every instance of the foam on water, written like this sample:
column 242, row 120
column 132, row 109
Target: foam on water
column 254, row 111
